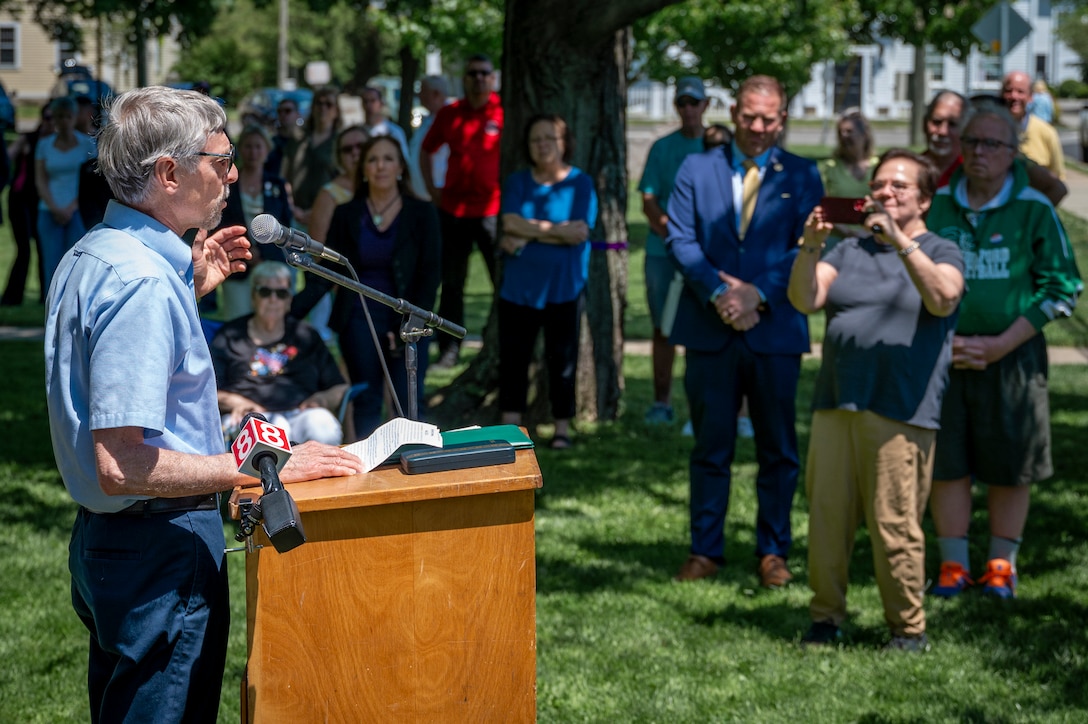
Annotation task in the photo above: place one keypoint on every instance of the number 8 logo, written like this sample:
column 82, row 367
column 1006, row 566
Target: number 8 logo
column 272, row 435
column 244, row 443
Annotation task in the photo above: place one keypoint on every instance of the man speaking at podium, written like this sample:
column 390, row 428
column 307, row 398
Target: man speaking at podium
column 133, row 412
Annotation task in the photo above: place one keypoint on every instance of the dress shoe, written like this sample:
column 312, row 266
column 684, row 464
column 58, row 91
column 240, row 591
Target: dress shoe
column 773, row 572
column 696, row 567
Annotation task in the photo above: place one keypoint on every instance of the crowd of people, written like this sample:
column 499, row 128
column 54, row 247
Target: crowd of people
column 932, row 379
column 933, row 372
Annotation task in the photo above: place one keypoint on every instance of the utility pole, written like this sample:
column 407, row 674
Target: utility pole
column 281, row 55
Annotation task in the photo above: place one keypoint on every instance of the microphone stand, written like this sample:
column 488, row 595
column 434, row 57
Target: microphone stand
column 418, row 322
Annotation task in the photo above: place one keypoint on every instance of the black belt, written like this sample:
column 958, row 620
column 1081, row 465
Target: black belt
column 172, row 505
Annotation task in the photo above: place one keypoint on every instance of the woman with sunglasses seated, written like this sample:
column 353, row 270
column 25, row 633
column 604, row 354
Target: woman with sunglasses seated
column 274, row 364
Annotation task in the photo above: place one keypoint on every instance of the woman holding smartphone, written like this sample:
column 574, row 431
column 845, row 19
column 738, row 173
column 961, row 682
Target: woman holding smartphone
column 891, row 299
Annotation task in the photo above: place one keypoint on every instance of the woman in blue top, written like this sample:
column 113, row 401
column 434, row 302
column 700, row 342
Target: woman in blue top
column 548, row 211
column 56, row 174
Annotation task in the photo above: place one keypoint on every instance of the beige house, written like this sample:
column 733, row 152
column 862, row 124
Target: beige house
column 30, row 59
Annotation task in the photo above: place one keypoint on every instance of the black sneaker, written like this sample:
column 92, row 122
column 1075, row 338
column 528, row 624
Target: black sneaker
column 448, row 357
column 912, row 644
column 821, row 633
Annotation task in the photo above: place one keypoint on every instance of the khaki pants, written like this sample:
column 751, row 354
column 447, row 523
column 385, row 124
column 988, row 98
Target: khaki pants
column 861, row 464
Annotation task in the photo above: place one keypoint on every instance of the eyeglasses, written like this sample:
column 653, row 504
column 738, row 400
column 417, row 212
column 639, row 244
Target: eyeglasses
column 898, row 187
column 228, row 156
column 352, row 148
column 990, row 144
column 266, row 292
column 686, row 102
column 478, row 73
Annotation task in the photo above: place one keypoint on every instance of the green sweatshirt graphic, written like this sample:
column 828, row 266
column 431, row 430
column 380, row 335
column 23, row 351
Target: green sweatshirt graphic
column 1017, row 258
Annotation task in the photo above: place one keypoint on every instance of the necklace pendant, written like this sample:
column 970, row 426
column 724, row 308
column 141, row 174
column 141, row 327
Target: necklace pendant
column 377, row 219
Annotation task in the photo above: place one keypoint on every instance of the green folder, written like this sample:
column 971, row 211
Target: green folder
column 510, row 433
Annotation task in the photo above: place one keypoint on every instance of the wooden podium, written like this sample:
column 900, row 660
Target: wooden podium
column 413, row 599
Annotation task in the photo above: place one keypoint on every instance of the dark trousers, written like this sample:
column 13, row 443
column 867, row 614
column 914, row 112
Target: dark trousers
column 715, row 383
column 518, row 330
column 458, row 237
column 364, row 365
column 23, row 214
column 152, row 592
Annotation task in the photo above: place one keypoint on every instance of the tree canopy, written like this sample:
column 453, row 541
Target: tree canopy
column 728, row 42
column 944, row 25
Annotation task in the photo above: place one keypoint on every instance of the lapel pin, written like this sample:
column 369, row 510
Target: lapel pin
column 778, row 167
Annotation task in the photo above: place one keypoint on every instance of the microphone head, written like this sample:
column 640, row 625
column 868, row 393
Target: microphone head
column 259, row 436
column 265, row 229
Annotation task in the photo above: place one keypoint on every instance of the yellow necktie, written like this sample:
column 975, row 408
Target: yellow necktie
column 751, row 191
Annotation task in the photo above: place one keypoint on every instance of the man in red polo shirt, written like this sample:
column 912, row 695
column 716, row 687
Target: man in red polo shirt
column 468, row 205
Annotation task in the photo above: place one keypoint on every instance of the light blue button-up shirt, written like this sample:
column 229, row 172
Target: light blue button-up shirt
column 124, row 348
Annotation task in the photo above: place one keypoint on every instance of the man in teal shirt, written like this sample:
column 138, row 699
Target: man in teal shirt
column 666, row 155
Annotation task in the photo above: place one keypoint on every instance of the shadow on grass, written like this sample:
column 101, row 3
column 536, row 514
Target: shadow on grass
column 40, row 507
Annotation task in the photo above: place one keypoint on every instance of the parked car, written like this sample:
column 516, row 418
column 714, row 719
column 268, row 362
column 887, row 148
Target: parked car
column 7, row 110
column 77, row 80
column 260, row 105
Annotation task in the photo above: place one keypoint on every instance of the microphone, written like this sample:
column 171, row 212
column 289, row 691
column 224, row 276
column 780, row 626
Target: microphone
column 261, row 450
column 265, row 229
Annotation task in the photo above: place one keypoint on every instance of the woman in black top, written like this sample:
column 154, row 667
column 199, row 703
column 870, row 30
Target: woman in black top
column 392, row 239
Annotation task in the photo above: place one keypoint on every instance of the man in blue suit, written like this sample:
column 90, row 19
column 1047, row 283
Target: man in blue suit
column 743, row 337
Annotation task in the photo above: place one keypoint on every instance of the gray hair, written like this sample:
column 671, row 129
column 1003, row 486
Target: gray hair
column 436, row 82
column 995, row 109
column 147, row 124
column 269, row 271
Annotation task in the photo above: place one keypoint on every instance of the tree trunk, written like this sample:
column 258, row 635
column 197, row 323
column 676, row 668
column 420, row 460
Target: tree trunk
column 140, row 30
column 572, row 60
column 409, row 69
column 919, row 97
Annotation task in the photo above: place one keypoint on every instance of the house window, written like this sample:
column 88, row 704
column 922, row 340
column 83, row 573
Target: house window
column 990, row 65
column 934, row 64
column 9, row 45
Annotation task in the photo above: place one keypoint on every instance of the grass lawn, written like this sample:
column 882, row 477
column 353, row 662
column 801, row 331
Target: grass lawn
column 618, row 641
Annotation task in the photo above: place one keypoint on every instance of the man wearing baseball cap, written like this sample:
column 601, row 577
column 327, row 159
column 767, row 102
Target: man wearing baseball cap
column 666, row 155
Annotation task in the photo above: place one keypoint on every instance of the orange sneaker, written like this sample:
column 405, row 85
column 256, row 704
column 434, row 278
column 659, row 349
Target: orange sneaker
column 1000, row 579
column 954, row 579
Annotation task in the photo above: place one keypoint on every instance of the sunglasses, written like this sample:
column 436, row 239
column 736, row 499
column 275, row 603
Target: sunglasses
column 266, row 292
column 352, row 147
column 478, row 73
column 990, row 144
column 326, row 104
column 687, row 103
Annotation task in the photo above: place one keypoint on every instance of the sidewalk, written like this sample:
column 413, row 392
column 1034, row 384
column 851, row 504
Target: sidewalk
column 1076, row 202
